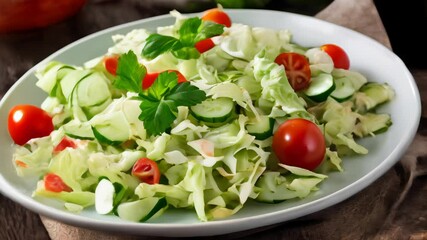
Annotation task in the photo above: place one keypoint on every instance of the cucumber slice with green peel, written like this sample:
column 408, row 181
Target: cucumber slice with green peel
column 261, row 129
column 142, row 210
column 343, row 89
column 111, row 128
column 92, row 90
column 70, row 81
column 320, row 87
column 212, row 110
column 78, row 130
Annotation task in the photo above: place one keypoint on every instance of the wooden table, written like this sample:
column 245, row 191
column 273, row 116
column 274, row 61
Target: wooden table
column 393, row 207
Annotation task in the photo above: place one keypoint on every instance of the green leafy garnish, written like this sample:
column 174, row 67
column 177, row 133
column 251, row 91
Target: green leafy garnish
column 191, row 31
column 159, row 105
column 130, row 73
column 160, row 102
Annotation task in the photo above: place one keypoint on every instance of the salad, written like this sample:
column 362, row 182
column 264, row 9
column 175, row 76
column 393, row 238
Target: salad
column 205, row 114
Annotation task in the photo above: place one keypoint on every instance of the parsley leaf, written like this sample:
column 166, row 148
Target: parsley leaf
column 190, row 32
column 157, row 115
column 159, row 104
column 164, row 83
column 129, row 73
column 185, row 94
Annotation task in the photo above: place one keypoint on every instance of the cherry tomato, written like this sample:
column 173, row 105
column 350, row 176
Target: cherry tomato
column 26, row 122
column 111, row 63
column 65, row 142
column 54, row 183
column 338, row 55
column 204, row 45
column 146, row 170
column 151, row 77
column 299, row 142
column 218, row 16
column 149, row 80
column 297, row 69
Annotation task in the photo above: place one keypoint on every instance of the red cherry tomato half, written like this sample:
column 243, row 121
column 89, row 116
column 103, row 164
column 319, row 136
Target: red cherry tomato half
column 26, row 122
column 146, row 170
column 204, row 45
column 297, row 69
column 338, row 55
column 299, row 142
column 149, row 80
column 151, row 77
column 218, row 16
column 65, row 143
column 111, row 63
column 54, row 183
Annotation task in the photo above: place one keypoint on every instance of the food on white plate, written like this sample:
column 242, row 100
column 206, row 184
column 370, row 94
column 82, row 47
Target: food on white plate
column 204, row 114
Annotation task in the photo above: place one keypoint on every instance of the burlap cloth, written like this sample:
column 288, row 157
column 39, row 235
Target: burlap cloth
column 370, row 214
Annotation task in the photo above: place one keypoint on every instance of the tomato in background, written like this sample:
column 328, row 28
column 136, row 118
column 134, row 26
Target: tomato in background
column 19, row 15
column 26, row 122
column 338, row 55
column 54, row 183
column 146, row 170
column 218, row 16
column 297, row 69
column 299, row 142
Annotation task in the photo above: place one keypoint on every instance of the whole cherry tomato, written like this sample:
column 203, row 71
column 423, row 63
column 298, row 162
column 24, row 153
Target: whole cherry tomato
column 146, row 170
column 338, row 55
column 218, row 16
column 297, row 69
column 299, row 142
column 26, row 122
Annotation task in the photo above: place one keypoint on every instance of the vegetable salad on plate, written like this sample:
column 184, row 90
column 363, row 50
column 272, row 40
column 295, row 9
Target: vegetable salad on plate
column 206, row 114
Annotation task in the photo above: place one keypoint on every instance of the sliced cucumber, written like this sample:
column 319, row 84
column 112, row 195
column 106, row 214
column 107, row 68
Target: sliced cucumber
column 320, row 87
column 343, row 89
column 111, row 128
column 79, row 130
column 141, row 210
column 261, row 129
column 92, row 90
column 69, row 82
column 212, row 110
column 372, row 123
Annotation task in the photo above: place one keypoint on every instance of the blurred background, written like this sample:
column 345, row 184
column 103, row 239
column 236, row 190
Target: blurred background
column 30, row 30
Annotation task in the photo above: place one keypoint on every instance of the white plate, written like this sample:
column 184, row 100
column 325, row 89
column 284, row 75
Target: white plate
column 367, row 56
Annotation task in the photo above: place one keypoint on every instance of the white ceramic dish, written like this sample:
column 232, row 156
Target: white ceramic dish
column 367, row 56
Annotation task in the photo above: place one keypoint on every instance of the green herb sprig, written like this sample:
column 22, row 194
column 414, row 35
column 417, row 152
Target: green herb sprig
column 191, row 31
column 159, row 103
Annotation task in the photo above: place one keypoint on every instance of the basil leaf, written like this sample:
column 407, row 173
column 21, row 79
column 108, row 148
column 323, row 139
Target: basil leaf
column 186, row 53
column 157, row 44
column 208, row 30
